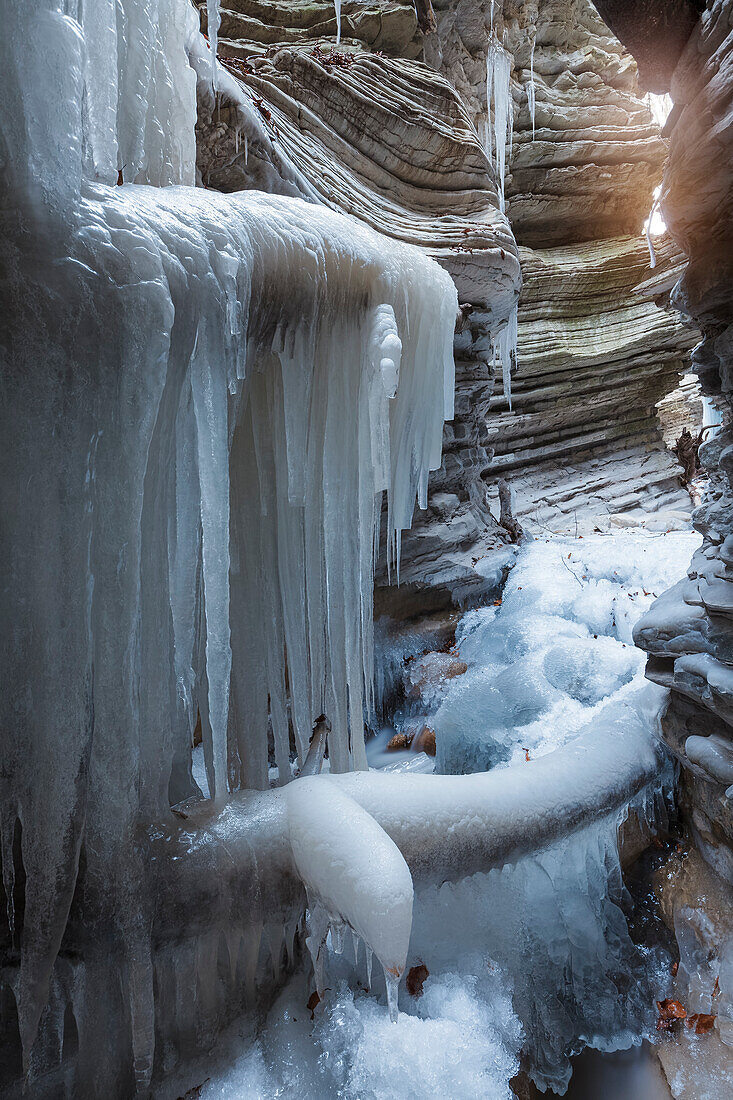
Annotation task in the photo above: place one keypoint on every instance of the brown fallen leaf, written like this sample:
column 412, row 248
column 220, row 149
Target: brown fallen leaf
column 416, row 976
column 672, row 1010
column 702, row 1022
column 675, row 968
column 669, row 1011
column 312, row 1003
column 716, row 988
column 526, row 755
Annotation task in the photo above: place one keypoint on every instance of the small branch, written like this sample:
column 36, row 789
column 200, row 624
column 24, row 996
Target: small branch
column 506, row 517
column 425, row 16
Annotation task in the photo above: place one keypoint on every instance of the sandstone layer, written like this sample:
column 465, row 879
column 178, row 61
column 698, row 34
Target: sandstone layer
column 589, row 166
column 599, row 349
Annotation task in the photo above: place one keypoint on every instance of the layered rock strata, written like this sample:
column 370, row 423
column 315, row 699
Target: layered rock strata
column 389, row 141
column 588, row 166
column 598, row 350
column 689, row 631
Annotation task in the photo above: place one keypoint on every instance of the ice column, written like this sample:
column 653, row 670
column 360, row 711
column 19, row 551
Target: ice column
column 499, row 102
column 505, row 352
column 213, row 22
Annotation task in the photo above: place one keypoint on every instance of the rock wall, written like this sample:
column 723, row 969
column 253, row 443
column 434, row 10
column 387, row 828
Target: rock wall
column 598, row 349
column 689, row 631
column 588, row 169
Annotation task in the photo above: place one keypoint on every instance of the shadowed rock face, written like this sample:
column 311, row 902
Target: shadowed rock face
column 689, row 632
column 656, row 32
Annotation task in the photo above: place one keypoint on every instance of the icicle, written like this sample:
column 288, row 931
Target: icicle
column 212, row 25
column 368, row 965
column 498, row 97
column 337, row 937
column 317, row 931
column 246, row 151
column 531, row 93
column 337, row 7
column 505, row 350
column 355, row 945
column 236, row 141
column 392, row 984
column 653, row 224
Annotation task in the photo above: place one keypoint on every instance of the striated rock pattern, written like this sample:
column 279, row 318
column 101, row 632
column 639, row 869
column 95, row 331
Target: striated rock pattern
column 389, row 26
column 596, row 355
column 689, row 631
column 683, row 408
column 595, row 156
column 387, row 139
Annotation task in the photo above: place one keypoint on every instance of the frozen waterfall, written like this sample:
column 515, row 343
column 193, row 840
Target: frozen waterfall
column 208, row 397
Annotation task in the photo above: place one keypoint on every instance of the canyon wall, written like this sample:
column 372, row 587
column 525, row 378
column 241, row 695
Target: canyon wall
column 689, row 632
column 375, row 127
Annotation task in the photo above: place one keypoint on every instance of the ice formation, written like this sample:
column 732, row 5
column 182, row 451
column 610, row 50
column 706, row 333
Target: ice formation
column 208, row 396
column 211, row 385
column 213, row 22
column 531, row 90
column 500, row 105
column 518, row 885
column 558, row 654
column 654, row 226
column 506, row 351
column 354, row 873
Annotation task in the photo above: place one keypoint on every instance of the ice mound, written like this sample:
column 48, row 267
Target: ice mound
column 461, row 1038
column 553, row 923
column 559, row 646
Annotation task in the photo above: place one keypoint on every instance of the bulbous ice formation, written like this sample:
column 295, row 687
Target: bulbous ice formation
column 352, row 870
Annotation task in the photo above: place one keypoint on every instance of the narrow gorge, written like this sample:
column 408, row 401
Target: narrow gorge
column 365, row 376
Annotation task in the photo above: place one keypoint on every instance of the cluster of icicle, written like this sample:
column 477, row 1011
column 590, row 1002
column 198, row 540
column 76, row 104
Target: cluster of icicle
column 245, row 376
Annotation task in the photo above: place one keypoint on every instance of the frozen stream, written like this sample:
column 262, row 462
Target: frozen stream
column 536, row 955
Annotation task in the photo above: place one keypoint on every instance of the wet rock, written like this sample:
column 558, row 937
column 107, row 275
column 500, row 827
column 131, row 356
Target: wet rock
column 399, row 743
column 425, row 741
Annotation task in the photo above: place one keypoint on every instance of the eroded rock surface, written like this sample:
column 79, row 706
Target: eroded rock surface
column 597, row 353
column 689, row 631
